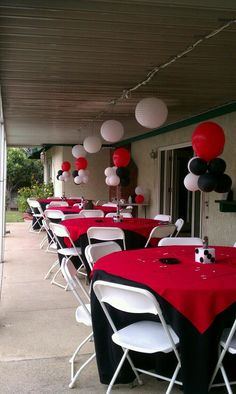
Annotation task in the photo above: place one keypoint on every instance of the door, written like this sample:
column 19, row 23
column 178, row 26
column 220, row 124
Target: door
column 174, row 198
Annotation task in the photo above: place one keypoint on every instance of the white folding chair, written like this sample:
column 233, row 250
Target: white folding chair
column 38, row 215
column 61, row 231
column 58, row 204
column 49, row 238
column 122, row 214
column 178, row 224
column 234, row 245
column 82, row 314
column 93, row 252
column 106, row 234
column 227, row 344
column 78, row 215
column 110, row 204
column 92, row 213
column 181, row 241
column 144, row 336
column 54, row 214
column 163, row 230
column 163, row 218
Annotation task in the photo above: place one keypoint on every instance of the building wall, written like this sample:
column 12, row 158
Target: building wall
column 220, row 227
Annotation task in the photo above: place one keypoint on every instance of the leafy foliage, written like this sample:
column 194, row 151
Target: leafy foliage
column 37, row 190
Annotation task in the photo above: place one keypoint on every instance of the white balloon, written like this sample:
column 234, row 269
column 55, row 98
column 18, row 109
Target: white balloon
column 78, row 180
column 107, row 180
column 190, row 182
column 66, row 174
column 114, row 180
column 109, row 171
column 81, row 172
column 139, row 190
column 151, row 112
column 85, row 179
column 92, row 144
column 112, row 130
column 61, row 178
column 78, row 151
column 65, row 178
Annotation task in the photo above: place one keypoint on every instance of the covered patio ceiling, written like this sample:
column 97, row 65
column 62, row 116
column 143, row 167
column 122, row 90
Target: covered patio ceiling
column 67, row 66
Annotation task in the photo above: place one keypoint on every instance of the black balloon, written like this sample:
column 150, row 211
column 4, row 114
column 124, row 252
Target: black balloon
column 198, row 166
column 58, row 177
column 224, row 183
column 59, row 172
column 217, row 166
column 122, row 172
column 207, row 182
column 75, row 173
column 124, row 181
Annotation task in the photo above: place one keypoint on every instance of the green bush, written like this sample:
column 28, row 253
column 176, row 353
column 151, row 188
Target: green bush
column 38, row 190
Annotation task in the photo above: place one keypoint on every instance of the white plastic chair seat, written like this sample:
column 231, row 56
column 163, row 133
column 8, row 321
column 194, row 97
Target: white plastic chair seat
column 69, row 251
column 82, row 317
column 134, row 337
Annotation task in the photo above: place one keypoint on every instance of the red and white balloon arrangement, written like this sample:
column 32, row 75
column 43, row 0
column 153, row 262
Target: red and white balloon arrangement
column 206, row 170
column 64, row 173
column 118, row 174
column 139, row 195
column 80, row 174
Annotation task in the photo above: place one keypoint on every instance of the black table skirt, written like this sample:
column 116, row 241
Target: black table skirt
column 198, row 351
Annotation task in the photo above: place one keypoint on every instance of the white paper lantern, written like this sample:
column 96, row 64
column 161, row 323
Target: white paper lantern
column 109, row 171
column 190, row 182
column 112, row 130
column 78, row 151
column 139, row 190
column 92, row 144
column 114, row 180
column 151, row 112
column 78, row 180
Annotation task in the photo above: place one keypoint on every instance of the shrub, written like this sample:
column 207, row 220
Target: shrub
column 38, row 190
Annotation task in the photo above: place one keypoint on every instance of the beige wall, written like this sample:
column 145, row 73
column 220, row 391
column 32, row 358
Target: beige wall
column 221, row 226
column 95, row 189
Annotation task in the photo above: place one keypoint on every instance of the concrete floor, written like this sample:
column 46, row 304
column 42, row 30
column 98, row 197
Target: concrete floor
column 38, row 331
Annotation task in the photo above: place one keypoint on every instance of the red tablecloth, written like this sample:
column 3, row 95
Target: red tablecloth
column 46, row 201
column 78, row 227
column 198, row 291
column 66, row 210
column 77, row 209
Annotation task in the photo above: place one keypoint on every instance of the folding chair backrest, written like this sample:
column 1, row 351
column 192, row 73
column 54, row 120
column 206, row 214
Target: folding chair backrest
column 162, row 217
column 161, row 231
column 106, row 234
column 54, row 214
column 58, row 204
column 92, row 213
column 93, row 252
column 109, row 204
column 73, row 216
column 122, row 213
column 61, row 231
column 181, row 241
column 179, row 224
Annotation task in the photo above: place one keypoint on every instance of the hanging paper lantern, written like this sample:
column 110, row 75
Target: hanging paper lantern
column 191, row 182
column 139, row 199
column 217, row 166
column 112, row 130
column 65, row 166
column 121, row 157
column 197, row 166
column 92, row 144
column 78, row 151
column 151, row 112
column 81, row 163
column 207, row 182
column 208, row 140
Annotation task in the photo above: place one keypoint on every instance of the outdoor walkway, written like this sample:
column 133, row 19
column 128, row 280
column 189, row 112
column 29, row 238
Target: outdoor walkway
column 38, row 332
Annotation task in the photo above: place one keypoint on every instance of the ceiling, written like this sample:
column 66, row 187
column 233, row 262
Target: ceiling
column 62, row 63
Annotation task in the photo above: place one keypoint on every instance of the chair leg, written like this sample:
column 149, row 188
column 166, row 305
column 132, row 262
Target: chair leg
column 117, row 371
column 54, row 282
column 173, row 379
column 72, row 359
column 44, row 240
column 71, row 385
column 51, row 269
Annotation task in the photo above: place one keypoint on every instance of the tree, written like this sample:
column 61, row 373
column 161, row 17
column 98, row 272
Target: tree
column 21, row 171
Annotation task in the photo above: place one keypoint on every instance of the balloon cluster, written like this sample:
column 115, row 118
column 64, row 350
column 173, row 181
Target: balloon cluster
column 80, row 174
column 64, row 173
column 206, row 170
column 139, row 195
column 118, row 174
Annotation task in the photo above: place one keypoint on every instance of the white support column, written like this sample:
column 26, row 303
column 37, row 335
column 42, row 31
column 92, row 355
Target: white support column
column 3, row 151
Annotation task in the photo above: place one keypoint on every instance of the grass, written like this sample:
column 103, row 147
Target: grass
column 14, row 216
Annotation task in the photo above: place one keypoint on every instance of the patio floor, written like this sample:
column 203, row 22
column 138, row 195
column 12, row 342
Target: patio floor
column 38, row 332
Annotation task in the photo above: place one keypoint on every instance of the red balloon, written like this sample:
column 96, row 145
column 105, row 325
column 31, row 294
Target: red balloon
column 208, row 140
column 121, row 157
column 139, row 199
column 81, row 163
column 65, row 166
